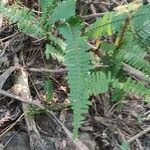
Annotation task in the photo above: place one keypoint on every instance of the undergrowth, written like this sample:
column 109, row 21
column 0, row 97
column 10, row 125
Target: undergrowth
column 120, row 37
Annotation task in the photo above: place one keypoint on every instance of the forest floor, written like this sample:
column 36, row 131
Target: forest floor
column 108, row 126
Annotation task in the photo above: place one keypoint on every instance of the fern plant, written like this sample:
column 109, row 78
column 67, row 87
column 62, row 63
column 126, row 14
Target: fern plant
column 77, row 61
column 130, row 46
column 42, row 26
column 83, row 82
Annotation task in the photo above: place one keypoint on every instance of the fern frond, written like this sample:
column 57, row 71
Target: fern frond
column 100, row 27
column 117, row 18
column 137, row 61
column 132, row 86
column 142, row 28
column 48, row 87
column 47, row 7
column 133, row 54
column 143, row 35
column 24, row 19
column 117, row 95
column 56, row 42
column 62, row 11
column 110, row 21
column 98, row 82
column 55, row 48
column 143, row 14
column 77, row 62
column 55, row 53
column 136, row 88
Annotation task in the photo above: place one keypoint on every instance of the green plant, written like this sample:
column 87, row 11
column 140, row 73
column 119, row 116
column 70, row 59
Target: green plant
column 42, row 26
column 48, row 87
column 124, row 146
column 130, row 46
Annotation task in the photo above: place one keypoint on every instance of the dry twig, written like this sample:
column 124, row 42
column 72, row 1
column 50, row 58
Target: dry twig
column 87, row 17
column 21, row 87
column 12, row 125
column 138, row 135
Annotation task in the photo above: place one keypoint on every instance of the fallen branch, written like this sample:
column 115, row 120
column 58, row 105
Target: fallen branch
column 21, row 99
column 138, row 135
column 92, row 8
column 12, row 125
column 5, row 75
column 21, row 87
column 87, row 17
column 46, row 70
column 130, row 70
column 136, row 73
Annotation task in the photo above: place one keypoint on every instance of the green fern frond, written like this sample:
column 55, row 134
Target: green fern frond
column 56, row 42
column 47, row 7
column 143, row 36
column 133, row 54
column 143, row 14
column 109, row 23
column 77, row 62
column 98, row 82
column 132, row 86
column 100, row 27
column 55, row 48
column 25, row 20
column 137, row 62
column 48, row 87
column 142, row 28
column 55, row 53
column 135, row 58
column 117, row 95
column 62, row 11
column 136, row 88
column 116, row 19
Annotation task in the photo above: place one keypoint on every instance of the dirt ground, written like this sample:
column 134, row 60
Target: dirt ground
column 108, row 125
